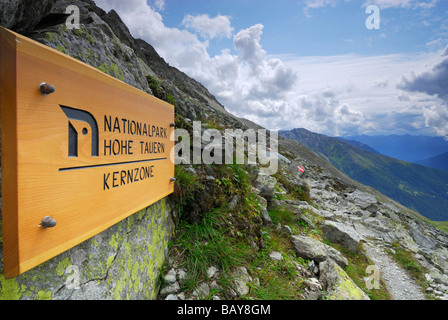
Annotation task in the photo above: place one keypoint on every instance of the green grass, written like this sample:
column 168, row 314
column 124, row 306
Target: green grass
column 301, row 193
column 282, row 216
column 442, row 225
column 277, row 280
column 225, row 238
column 158, row 90
column 184, row 188
column 207, row 244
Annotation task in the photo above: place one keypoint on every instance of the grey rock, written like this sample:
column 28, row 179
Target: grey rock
column 325, row 214
column 363, row 200
column 78, row 257
column 182, row 275
column 212, row 272
column 263, row 203
column 309, row 248
column 338, row 284
column 276, row 256
column 266, row 184
column 313, row 284
column 312, row 249
column 241, row 280
column 287, row 230
column 337, row 256
column 202, row 291
column 233, row 203
column 312, row 267
column 23, row 15
column 170, row 277
column 340, row 233
column 425, row 243
column 441, row 279
column 170, row 289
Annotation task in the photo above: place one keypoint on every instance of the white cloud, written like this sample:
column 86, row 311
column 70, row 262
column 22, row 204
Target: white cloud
column 210, row 28
column 319, row 3
column 160, row 4
column 436, row 117
column 334, row 95
column 316, row 4
column 385, row 4
column 179, row 47
column 433, row 82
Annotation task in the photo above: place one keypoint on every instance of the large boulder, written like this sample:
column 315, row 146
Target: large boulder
column 266, row 184
column 425, row 243
column 309, row 248
column 338, row 284
column 341, row 233
column 312, row 249
column 363, row 200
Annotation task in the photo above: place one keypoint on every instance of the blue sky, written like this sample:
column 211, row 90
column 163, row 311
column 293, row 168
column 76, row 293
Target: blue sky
column 328, row 30
column 311, row 64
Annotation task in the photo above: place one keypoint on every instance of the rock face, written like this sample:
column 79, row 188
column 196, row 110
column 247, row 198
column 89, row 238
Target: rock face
column 22, row 15
column 363, row 201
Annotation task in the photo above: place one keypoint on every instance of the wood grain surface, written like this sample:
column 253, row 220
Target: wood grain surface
column 88, row 155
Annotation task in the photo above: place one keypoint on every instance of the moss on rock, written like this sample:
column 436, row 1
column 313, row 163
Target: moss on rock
column 122, row 262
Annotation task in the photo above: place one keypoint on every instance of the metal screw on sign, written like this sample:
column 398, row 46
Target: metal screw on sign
column 173, row 179
column 172, row 124
column 46, row 88
column 48, row 222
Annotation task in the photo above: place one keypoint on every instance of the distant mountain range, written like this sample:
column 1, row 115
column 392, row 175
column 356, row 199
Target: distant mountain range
column 404, row 147
column 418, row 187
column 438, row 162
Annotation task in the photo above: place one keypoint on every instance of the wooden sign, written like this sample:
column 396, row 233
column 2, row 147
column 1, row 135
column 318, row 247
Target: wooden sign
column 80, row 151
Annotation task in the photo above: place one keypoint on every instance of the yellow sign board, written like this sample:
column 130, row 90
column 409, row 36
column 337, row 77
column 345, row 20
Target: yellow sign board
column 81, row 151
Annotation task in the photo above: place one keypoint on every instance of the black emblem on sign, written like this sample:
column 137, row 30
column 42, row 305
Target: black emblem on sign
column 73, row 135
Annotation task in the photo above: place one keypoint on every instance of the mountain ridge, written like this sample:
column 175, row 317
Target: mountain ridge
column 410, row 148
column 438, row 162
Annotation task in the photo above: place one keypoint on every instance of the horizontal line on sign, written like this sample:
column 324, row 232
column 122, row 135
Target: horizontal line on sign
column 109, row 164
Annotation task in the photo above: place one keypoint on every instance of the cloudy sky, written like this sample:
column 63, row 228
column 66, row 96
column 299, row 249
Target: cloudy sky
column 310, row 64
